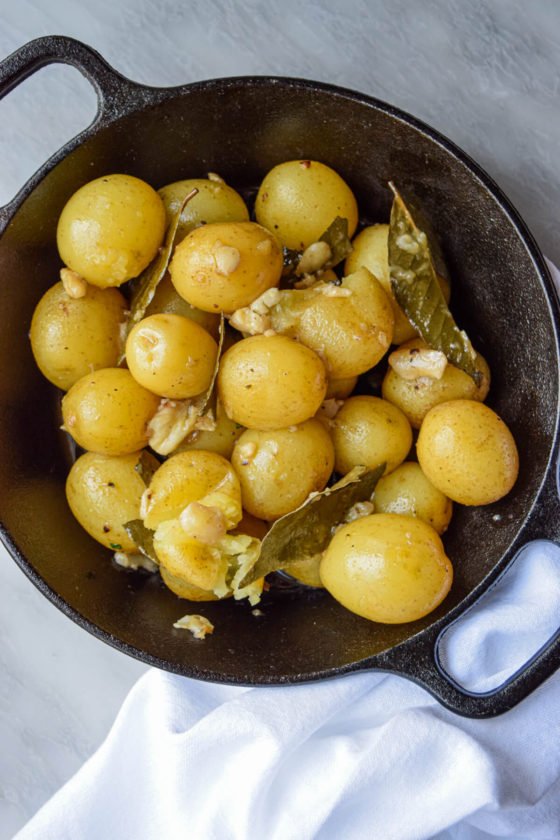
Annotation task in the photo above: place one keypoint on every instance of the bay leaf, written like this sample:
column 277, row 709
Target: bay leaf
column 146, row 466
column 417, row 290
column 336, row 237
column 145, row 285
column 142, row 537
column 306, row 532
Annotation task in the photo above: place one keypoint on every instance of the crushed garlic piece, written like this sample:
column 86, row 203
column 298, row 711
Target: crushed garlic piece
column 172, row 422
column 255, row 319
column 313, row 258
column 358, row 510
column 330, row 408
column 134, row 561
column 227, row 259
column 198, row 625
column 213, row 176
column 203, row 523
column 74, row 284
column 413, row 362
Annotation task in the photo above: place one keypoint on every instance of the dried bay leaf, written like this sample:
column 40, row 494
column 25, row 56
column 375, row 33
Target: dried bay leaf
column 142, row 537
column 306, row 532
column 417, row 290
column 144, row 287
column 336, row 237
column 146, row 466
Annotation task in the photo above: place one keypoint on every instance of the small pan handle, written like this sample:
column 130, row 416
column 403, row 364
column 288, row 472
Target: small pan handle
column 418, row 659
column 114, row 91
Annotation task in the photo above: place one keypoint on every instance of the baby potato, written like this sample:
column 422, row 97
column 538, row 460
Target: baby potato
column 104, row 492
column 368, row 431
column 108, row 412
column 340, row 389
column 407, row 491
column 279, row 469
column 415, row 397
column 252, row 526
column 73, row 336
column 180, row 586
column 351, row 330
column 370, row 250
column 468, row 452
column 299, row 199
column 167, row 300
column 271, row 382
column 221, row 439
column 203, row 477
column 214, row 202
column 387, row 568
column 307, row 571
column 171, row 356
column 223, row 267
column 111, row 229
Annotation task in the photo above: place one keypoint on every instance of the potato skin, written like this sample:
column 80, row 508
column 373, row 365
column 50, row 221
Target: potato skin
column 171, row 356
column 190, row 477
column 73, row 336
column 214, row 202
column 222, row 267
column 108, row 412
column 407, row 491
column 387, row 568
column 167, row 300
column 111, row 229
column 279, row 469
column 350, row 334
column 299, row 199
column 104, row 492
column 368, row 431
column 271, row 382
column 417, row 396
column 468, row 452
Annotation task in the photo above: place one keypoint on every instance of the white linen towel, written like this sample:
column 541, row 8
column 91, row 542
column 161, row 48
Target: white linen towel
column 365, row 756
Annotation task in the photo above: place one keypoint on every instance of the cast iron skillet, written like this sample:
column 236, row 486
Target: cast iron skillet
column 502, row 293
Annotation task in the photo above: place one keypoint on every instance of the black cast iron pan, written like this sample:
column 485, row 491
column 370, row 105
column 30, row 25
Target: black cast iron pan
column 502, row 293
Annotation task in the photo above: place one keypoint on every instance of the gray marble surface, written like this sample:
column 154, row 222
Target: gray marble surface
column 486, row 74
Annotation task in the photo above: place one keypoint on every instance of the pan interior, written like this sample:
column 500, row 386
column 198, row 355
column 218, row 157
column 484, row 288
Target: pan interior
column 240, row 130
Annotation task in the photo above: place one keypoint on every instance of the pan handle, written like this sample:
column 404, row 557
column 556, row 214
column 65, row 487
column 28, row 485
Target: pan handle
column 115, row 92
column 418, row 659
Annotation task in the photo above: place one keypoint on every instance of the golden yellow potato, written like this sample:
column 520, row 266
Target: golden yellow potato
column 108, row 412
column 181, row 587
column 171, row 356
column 221, row 439
column 252, row 526
column 203, row 477
column 307, row 571
column 270, row 382
column 73, row 336
column 468, row 452
column 111, row 229
column 370, row 250
column 368, row 431
column 415, row 397
column 387, row 568
column 407, row 491
column 222, row 267
column 167, row 300
column 194, row 562
column 299, row 199
column 279, row 469
column 351, row 332
column 214, row 202
column 340, row 389
column 104, row 493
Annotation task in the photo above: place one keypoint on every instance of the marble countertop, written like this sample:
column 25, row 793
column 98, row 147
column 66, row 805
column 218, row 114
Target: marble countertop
column 484, row 73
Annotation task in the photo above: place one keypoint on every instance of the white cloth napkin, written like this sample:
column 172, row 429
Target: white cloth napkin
column 366, row 756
